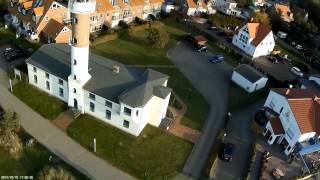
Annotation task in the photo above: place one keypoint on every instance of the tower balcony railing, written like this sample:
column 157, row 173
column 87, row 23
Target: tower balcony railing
column 82, row 6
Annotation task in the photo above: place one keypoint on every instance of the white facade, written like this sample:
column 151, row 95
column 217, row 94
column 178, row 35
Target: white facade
column 228, row 7
column 49, row 83
column 258, row 2
column 248, row 85
column 243, row 41
column 292, row 133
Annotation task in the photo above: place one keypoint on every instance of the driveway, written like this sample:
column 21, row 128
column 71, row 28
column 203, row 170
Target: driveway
column 212, row 81
column 239, row 134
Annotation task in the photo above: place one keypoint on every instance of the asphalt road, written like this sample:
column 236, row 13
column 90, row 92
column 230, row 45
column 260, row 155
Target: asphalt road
column 212, row 81
column 238, row 133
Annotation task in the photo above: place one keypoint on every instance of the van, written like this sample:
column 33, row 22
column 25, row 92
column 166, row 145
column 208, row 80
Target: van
column 282, row 35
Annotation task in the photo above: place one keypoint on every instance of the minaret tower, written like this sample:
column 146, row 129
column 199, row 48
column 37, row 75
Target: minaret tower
column 80, row 11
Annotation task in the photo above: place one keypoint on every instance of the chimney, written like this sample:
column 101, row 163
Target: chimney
column 116, row 69
column 287, row 92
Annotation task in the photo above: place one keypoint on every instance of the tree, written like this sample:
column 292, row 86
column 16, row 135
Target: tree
column 54, row 173
column 9, row 139
column 261, row 17
column 158, row 37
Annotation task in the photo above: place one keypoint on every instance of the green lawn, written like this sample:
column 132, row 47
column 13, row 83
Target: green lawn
column 239, row 98
column 47, row 106
column 155, row 154
column 135, row 49
column 31, row 162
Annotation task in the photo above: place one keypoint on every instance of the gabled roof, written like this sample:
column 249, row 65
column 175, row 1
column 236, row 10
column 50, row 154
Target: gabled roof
column 191, row 4
column 284, row 10
column 257, row 32
column 27, row 5
column 103, row 6
column 53, row 28
column 38, row 11
column 305, row 106
column 249, row 73
column 134, row 3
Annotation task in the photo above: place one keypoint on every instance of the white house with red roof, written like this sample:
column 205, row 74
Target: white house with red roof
column 254, row 39
column 294, row 117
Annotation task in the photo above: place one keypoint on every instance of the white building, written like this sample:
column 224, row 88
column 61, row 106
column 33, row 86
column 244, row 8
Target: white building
column 193, row 7
column 228, row 7
column 122, row 96
column 248, row 78
column 254, row 39
column 294, row 117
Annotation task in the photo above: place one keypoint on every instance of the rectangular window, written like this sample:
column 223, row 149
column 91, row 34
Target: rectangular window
column 137, row 113
column 91, row 107
column 47, row 75
column 290, row 134
column 126, row 123
column 92, row 96
column 108, row 114
column 127, row 111
column 35, row 79
column 108, row 104
column 281, row 110
column 48, row 85
column 60, row 81
column 61, row 92
column 34, row 69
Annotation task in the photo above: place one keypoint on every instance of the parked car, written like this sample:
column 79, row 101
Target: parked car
column 272, row 59
column 229, row 39
column 13, row 56
column 282, row 35
column 214, row 28
column 299, row 47
column 227, row 151
column 201, row 48
column 1, row 112
column 297, row 71
column 216, row 59
column 9, row 50
column 221, row 33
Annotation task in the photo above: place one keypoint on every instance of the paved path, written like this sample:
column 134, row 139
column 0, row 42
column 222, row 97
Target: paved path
column 58, row 142
column 179, row 129
column 238, row 133
column 212, row 81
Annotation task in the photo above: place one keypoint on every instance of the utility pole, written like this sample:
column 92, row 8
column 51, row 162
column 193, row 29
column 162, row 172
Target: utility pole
column 94, row 145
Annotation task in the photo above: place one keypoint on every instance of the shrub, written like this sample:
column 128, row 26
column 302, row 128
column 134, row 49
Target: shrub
column 158, row 37
column 123, row 24
column 51, row 173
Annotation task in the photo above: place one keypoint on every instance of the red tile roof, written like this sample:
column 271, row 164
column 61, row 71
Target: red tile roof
column 305, row 105
column 257, row 32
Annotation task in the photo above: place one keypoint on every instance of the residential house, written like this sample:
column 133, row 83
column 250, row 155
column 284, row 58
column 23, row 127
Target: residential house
column 122, row 96
column 284, row 12
column 55, row 32
column 294, row 118
column 228, row 7
column 248, row 78
column 193, row 7
column 254, row 39
column 32, row 17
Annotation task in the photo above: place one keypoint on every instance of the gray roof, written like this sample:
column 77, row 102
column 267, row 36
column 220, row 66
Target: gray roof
column 249, row 72
column 132, row 86
column 310, row 84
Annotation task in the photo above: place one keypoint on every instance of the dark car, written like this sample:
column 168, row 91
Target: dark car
column 201, row 48
column 10, row 50
column 227, row 151
column 272, row 59
column 221, row 33
column 1, row 113
column 229, row 39
column 13, row 56
column 216, row 59
column 214, row 28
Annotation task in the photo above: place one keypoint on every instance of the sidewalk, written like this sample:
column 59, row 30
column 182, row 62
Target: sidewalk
column 58, row 142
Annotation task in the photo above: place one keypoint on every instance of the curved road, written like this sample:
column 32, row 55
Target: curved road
column 212, row 81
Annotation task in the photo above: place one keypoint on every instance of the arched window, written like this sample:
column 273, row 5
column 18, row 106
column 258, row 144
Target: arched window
column 74, row 62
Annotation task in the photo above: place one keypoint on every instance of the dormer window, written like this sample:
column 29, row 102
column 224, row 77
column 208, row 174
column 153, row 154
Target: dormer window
column 74, row 40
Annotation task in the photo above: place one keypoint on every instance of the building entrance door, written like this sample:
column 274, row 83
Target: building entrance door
column 75, row 103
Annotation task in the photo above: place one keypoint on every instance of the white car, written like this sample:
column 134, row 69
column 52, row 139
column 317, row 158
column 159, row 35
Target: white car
column 296, row 71
column 299, row 47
